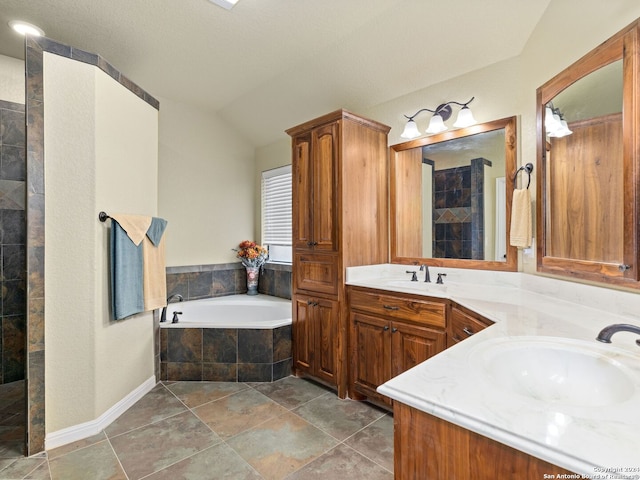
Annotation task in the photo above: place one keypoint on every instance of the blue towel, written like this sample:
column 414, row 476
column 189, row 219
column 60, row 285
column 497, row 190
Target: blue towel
column 156, row 230
column 127, row 297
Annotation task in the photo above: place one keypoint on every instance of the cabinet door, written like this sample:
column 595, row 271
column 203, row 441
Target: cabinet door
column 371, row 362
column 302, row 333
column 325, row 148
column 411, row 345
column 327, row 344
column 302, row 192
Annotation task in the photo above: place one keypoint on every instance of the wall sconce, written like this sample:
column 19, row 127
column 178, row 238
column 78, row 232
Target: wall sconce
column 554, row 123
column 440, row 115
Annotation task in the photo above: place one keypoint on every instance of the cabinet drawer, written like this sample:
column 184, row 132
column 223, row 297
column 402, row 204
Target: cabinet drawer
column 405, row 308
column 464, row 325
column 316, row 273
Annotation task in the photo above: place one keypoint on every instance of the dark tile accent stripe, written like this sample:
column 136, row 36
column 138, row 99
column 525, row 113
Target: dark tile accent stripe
column 73, row 53
column 35, row 248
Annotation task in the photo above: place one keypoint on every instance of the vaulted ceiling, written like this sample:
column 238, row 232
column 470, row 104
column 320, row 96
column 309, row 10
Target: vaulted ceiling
column 267, row 65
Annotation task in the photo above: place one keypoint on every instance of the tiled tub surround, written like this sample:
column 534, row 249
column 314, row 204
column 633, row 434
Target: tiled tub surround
column 225, row 354
column 196, row 282
column 454, row 387
column 204, row 281
column 233, row 338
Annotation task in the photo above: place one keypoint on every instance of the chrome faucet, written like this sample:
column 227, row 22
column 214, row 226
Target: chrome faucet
column 427, row 277
column 163, row 315
column 607, row 332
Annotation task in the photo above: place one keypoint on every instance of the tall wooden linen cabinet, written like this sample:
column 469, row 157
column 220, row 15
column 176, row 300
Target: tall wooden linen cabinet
column 339, row 220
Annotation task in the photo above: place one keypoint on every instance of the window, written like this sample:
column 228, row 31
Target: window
column 276, row 213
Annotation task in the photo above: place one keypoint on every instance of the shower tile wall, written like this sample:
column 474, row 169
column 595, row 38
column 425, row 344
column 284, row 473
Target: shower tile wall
column 12, row 241
column 452, row 213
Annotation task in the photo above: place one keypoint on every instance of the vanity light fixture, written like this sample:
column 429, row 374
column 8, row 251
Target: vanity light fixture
column 24, row 28
column 554, row 123
column 440, row 115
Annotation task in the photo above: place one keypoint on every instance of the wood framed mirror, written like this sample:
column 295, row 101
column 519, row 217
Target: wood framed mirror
column 450, row 198
column 587, row 184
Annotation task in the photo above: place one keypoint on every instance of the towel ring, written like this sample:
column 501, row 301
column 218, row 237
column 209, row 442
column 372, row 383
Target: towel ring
column 527, row 168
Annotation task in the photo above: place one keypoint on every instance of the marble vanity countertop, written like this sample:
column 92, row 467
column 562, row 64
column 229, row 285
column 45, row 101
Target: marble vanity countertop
column 454, row 385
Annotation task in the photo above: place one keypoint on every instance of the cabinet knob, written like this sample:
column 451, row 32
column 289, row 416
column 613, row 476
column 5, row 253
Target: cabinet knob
column 624, row 268
column 385, row 328
column 309, row 244
column 394, row 330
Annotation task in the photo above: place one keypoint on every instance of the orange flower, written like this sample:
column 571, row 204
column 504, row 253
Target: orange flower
column 251, row 254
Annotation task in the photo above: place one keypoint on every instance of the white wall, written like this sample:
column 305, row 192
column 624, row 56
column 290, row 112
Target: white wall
column 267, row 158
column 100, row 154
column 206, row 186
column 11, row 80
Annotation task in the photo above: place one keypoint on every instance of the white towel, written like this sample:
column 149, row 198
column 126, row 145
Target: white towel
column 521, row 219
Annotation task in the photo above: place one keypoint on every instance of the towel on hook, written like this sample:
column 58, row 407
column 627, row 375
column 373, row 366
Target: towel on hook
column 154, row 265
column 520, row 235
column 127, row 295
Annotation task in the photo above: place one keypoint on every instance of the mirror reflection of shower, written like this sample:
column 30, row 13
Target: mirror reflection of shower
column 12, row 279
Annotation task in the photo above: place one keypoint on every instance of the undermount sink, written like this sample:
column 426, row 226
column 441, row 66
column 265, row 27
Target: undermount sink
column 557, row 370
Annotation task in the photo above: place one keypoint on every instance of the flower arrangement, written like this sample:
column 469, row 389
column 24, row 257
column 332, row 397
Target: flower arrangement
column 251, row 254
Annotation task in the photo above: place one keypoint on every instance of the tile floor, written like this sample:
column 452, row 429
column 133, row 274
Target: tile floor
column 12, row 420
column 291, row 428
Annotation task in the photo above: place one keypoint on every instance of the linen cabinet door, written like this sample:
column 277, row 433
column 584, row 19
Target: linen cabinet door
column 302, row 192
column 302, row 333
column 413, row 344
column 325, row 148
column 371, row 357
column 327, row 343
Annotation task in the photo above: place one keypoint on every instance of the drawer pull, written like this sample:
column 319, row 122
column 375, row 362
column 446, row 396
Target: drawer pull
column 467, row 331
column 390, row 307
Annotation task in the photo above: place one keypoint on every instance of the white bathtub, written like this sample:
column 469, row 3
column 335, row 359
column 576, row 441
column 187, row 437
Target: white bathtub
column 233, row 311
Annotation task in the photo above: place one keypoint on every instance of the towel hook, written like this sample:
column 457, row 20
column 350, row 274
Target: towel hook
column 527, row 168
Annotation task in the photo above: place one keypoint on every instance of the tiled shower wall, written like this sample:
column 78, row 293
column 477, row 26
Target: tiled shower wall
column 12, row 241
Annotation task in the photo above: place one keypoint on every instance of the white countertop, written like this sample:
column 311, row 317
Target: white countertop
column 453, row 385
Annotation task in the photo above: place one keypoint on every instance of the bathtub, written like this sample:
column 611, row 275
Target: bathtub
column 236, row 338
column 233, row 311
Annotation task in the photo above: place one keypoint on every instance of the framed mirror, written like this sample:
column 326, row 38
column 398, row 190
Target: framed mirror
column 450, row 198
column 588, row 153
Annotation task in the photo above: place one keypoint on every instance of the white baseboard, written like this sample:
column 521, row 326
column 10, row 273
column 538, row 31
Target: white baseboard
column 93, row 427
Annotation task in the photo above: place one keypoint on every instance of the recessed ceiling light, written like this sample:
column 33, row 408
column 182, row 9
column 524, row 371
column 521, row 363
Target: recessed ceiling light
column 24, row 28
column 228, row 4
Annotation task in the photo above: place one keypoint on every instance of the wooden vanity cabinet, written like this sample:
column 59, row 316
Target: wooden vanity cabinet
column 429, row 447
column 339, row 211
column 390, row 333
column 464, row 323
